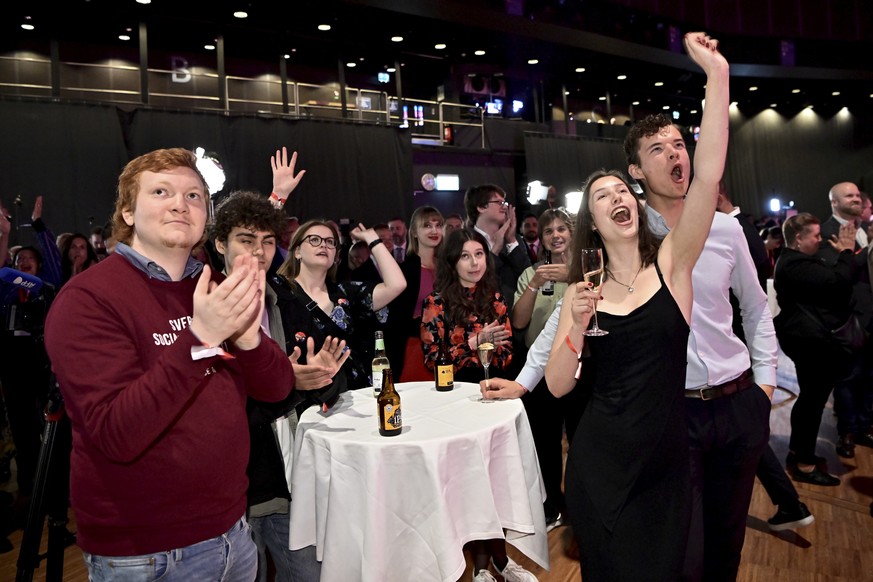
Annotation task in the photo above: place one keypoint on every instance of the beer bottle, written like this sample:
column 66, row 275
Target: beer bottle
column 443, row 371
column 549, row 286
column 380, row 363
column 390, row 422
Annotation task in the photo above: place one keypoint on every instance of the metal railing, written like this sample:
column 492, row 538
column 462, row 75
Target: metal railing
column 432, row 122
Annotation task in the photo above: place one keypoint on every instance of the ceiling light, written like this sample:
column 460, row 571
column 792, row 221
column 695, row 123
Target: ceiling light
column 390, row 70
column 659, row 83
column 209, row 47
column 27, row 26
column 287, row 56
column 566, row 92
column 143, row 1
column 773, row 106
column 665, row 107
column 693, row 112
column 123, row 37
column 635, row 103
column 396, row 39
column 240, row 14
column 621, row 77
column 753, row 88
column 795, row 90
column 580, row 69
column 601, row 98
column 324, row 27
column 351, row 65
column 835, row 93
column 532, row 61
column 439, row 46
column 479, row 53
column 733, row 103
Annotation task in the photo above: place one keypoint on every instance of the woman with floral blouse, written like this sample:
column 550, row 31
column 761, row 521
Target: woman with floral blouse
column 466, row 302
column 313, row 305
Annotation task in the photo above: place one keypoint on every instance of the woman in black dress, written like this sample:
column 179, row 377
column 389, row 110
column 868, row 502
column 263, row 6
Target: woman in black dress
column 627, row 482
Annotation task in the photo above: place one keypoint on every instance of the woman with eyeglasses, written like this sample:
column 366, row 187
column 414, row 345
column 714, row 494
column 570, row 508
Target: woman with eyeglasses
column 314, row 305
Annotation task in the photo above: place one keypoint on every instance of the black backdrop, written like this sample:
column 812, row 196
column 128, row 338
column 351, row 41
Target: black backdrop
column 72, row 155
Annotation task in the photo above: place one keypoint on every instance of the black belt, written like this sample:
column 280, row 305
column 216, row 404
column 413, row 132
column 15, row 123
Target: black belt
column 745, row 380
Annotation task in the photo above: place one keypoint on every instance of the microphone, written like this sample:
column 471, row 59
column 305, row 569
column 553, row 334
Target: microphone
column 11, row 281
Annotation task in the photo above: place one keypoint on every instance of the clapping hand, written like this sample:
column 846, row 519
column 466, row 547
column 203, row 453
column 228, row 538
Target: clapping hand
column 495, row 329
column 845, row 240
column 322, row 366
column 230, row 309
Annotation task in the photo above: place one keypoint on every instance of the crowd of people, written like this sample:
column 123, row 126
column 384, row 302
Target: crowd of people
column 213, row 338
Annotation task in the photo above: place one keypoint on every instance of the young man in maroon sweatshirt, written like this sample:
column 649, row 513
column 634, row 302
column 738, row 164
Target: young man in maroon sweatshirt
column 155, row 360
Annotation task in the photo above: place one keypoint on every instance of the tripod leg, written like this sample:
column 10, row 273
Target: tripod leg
column 55, row 421
column 28, row 557
column 57, row 502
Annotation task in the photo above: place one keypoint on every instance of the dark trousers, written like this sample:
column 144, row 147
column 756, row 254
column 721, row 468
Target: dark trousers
column 727, row 436
column 853, row 394
column 548, row 416
column 772, row 476
column 819, row 366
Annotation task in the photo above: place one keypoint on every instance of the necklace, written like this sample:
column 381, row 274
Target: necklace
column 630, row 288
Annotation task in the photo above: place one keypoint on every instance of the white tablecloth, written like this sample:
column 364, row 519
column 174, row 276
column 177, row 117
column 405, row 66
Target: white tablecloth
column 401, row 508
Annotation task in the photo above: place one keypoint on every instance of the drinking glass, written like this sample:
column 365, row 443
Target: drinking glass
column 592, row 272
column 485, row 348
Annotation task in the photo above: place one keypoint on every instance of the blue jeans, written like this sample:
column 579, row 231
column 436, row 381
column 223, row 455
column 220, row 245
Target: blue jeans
column 271, row 533
column 230, row 557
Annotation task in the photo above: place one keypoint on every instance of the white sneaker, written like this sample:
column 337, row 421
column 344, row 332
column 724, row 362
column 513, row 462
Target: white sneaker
column 484, row 576
column 514, row 573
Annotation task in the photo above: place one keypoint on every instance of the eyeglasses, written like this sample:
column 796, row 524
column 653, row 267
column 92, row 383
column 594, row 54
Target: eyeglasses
column 501, row 203
column 316, row 241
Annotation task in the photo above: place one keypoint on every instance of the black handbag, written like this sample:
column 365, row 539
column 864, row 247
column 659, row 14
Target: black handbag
column 851, row 336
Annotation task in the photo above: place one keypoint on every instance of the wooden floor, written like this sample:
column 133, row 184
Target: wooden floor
column 838, row 547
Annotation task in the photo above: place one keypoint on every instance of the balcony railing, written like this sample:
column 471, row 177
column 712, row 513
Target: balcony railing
column 430, row 122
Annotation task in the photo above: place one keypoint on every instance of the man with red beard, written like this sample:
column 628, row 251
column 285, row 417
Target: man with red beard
column 728, row 386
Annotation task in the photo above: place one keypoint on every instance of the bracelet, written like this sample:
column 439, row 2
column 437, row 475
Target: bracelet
column 276, row 201
column 534, row 289
column 578, row 355
column 374, row 243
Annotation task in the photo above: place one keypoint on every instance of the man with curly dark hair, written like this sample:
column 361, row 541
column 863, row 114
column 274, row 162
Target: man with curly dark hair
column 247, row 223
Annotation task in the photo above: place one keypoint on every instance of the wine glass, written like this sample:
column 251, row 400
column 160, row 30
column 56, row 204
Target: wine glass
column 485, row 348
column 592, row 272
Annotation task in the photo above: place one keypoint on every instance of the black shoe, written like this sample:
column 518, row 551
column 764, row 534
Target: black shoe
column 791, row 460
column 846, row 446
column 865, row 439
column 815, row 477
column 554, row 521
column 792, row 518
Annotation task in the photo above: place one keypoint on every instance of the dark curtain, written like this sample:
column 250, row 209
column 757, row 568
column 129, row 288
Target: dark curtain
column 797, row 158
column 565, row 161
column 72, row 155
column 69, row 154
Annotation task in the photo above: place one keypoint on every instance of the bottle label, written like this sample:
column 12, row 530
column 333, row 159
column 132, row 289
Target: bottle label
column 380, row 344
column 377, row 381
column 393, row 420
column 445, row 377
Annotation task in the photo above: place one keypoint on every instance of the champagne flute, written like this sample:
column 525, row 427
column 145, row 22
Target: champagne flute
column 592, row 272
column 485, row 348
